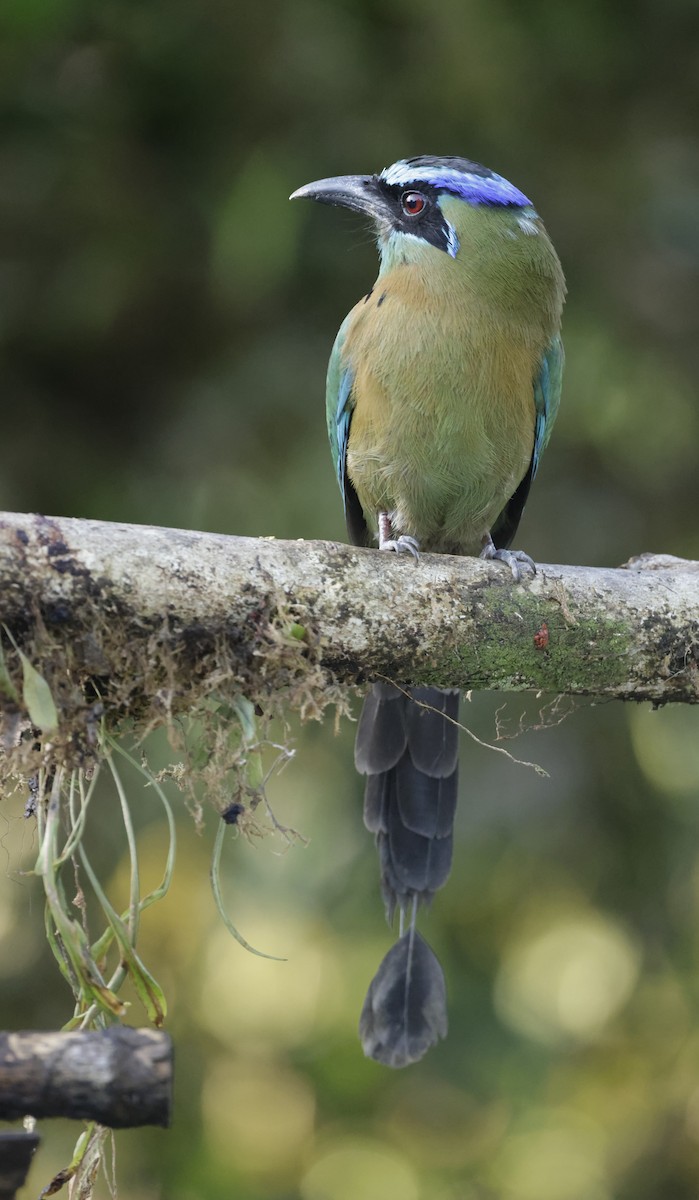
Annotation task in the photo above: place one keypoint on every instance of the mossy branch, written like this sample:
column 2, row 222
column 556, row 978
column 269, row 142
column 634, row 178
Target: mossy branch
column 144, row 622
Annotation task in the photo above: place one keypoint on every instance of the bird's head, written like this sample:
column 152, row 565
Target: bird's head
column 425, row 201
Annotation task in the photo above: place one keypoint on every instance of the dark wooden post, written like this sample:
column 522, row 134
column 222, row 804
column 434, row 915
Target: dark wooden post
column 16, row 1153
column 118, row 1076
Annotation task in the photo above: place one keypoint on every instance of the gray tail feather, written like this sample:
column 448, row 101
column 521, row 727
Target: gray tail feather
column 405, row 1011
column 407, row 746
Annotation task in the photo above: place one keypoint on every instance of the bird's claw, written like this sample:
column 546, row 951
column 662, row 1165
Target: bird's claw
column 405, row 544
column 518, row 562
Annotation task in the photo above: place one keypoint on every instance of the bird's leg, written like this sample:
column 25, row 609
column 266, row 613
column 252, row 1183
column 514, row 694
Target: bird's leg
column 515, row 559
column 400, row 545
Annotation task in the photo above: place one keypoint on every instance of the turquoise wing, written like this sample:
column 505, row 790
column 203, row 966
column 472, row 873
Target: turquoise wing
column 547, row 398
column 338, row 405
column 338, row 411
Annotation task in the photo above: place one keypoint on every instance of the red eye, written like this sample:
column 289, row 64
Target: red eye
column 412, row 203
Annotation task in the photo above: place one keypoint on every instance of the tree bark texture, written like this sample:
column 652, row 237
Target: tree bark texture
column 119, row 1076
column 117, row 594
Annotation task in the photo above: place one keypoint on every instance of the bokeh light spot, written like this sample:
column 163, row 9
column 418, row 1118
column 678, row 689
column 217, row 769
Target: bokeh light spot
column 559, row 1160
column 244, row 995
column 258, row 1115
column 666, row 744
column 356, row 1168
column 568, row 979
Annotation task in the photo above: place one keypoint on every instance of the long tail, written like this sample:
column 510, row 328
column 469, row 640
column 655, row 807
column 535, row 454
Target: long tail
column 407, row 746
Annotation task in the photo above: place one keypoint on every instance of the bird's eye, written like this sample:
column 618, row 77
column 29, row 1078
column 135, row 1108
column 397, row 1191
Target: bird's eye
column 413, row 203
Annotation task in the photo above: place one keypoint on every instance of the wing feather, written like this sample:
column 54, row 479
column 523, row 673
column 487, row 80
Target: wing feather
column 339, row 405
column 547, row 399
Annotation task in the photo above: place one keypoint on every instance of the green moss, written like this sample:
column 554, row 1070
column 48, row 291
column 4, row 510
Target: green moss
column 517, row 651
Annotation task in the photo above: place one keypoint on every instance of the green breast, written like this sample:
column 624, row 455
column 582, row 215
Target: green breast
column 444, row 354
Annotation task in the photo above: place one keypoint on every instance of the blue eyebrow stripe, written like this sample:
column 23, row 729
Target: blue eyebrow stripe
column 474, row 188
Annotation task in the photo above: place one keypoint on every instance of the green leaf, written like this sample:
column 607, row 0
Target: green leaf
column 36, row 693
column 37, row 698
column 6, row 684
column 246, row 715
column 254, row 772
column 147, row 988
column 215, row 877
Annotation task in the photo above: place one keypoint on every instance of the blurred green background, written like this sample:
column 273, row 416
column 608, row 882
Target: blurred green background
column 166, row 318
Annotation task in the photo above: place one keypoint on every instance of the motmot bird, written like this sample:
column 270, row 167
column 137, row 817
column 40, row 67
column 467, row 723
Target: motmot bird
column 442, row 389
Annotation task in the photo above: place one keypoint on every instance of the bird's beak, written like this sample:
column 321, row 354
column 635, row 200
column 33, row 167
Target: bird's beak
column 358, row 192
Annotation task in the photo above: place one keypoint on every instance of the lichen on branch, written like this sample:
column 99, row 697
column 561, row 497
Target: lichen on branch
column 141, row 624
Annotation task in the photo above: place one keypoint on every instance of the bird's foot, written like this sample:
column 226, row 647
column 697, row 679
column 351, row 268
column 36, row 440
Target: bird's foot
column 518, row 562
column 404, row 544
